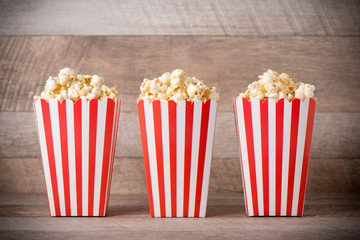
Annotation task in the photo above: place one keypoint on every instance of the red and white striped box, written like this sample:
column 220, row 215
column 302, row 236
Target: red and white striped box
column 77, row 142
column 177, row 144
column 274, row 141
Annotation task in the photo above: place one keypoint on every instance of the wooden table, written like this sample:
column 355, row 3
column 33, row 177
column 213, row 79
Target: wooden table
column 327, row 216
column 226, row 44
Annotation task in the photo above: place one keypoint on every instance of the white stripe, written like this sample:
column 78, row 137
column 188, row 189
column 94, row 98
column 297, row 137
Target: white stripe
column 255, row 112
column 180, row 149
column 285, row 156
column 44, row 154
column 149, row 120
column 114, row 147
column 244, row 155
column 100, row 135
column 54, row 115
column 71, row 155
column 85, row 155
column 110, row 157
column 239, row 146
column 115, row 141
column 114, row 129
column 272, row 154
column 208, row 156
column 166, row 156
column 194, row 155
column 304, row 108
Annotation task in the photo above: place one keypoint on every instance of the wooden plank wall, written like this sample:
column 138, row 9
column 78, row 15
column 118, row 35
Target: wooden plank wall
column 181, row 17
column 225, row 43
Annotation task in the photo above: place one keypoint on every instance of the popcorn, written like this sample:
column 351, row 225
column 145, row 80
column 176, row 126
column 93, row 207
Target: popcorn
column 176, row 82
column 304, row 90
column 67, row 71
column 275, row 86
column 96, row 91
column 176, row 86
column 85, row 91
column 73, row 94
column 68, row 85
column 165, row 78
column 194, row 91
column 96, row 81
column 51, row 84
column 178, row 73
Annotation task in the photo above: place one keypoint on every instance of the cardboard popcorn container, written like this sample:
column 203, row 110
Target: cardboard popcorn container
column 177, row 142
column 77, row 142
column 274, row 141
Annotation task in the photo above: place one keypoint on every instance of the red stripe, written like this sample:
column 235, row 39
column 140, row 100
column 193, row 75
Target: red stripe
column 241, row 160
column 113, row 144
column 187, row 161
column 37, row 125
column 202, row 150
column 92, row 152
column 295, row 111
column 146, row 153
column 159, row 154
column 78, row 154
column 305, row 167
column 279, row 148
column 50, row 151
column 106, row 154
column 251, row 155
column 265, row 153
column 172, row 142
column 64, row 155
column 117, row 114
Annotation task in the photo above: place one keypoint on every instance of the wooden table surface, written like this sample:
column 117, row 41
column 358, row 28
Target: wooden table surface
column 226, row 44
column 326, row 216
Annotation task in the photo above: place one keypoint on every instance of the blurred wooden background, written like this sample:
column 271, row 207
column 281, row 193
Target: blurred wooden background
column 225, row 43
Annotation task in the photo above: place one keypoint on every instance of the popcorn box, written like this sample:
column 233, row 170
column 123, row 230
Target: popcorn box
column 274, row 141
column 177, row 142
column 77, row 142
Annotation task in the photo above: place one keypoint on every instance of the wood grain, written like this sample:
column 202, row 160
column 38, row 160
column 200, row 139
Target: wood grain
column 327, row 216
column 336, row 135
column 25, row 175
column 226, row 44
column 182, row 17
column 229, row 63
